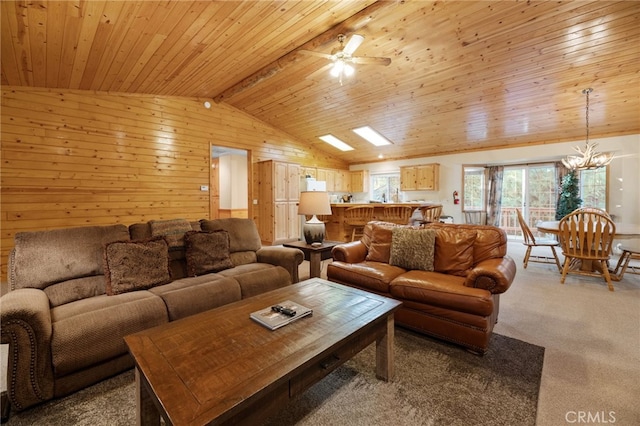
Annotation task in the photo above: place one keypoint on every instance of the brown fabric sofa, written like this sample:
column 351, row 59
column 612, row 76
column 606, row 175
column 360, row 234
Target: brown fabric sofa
column 457, row 301
column 65, row 323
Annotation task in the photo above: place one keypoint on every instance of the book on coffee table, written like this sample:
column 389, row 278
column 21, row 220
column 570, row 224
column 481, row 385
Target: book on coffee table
column 280, row 314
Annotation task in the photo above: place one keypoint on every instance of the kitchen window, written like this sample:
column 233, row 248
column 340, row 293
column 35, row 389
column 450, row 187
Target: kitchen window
column 385, row 187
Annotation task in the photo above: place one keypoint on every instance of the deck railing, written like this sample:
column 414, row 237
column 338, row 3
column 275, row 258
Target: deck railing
column 509, row 219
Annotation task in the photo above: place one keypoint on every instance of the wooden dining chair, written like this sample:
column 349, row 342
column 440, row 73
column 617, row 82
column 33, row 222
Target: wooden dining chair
column 397, row 214
column 592, row 210
column 587, row 237
column 430, row 213
column 475, row 217
column 531, row 241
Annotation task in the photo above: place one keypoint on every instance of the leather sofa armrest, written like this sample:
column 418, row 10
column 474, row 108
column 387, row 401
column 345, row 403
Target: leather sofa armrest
column 25, row 324
column 495, row 275
column 352, row 252
column 288, row 258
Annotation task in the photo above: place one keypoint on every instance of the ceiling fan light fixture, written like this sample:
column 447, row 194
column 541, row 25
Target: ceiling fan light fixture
column 336, row 143
column 588, row 159
column 337, row 68
column 348, row 70
column 371, row 136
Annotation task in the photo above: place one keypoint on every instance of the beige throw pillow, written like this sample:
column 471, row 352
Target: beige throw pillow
column 413, row 248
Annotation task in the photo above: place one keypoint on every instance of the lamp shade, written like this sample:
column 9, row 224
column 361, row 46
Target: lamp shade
column 314, row 202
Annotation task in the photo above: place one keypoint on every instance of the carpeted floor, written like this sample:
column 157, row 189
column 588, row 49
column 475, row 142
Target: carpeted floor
column 436, row 384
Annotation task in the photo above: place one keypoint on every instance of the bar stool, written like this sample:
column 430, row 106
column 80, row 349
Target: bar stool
column 397, row 214
column 430, row 213
column 356, row 218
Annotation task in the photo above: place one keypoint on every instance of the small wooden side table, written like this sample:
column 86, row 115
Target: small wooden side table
column 315, row 255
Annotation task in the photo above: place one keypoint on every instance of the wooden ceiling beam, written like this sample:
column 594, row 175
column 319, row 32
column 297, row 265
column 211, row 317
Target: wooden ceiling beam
column 351, row 24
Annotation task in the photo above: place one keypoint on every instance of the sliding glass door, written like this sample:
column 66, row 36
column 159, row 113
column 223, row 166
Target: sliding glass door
column 533, row 190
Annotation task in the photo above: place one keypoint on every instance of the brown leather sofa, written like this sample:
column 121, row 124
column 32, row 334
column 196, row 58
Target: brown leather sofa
column 457, row 301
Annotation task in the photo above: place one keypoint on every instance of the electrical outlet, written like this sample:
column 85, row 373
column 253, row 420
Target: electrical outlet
column 204, row 187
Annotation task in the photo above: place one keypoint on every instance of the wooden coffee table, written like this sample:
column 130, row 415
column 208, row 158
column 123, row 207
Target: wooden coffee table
column 220, row 366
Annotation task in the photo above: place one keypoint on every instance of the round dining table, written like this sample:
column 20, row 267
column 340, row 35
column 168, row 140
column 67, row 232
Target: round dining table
column 623, row 230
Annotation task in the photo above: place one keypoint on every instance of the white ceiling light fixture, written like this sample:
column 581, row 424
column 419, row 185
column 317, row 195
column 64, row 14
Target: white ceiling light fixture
column 372, row 136
column 335, row 142
column 589, row 158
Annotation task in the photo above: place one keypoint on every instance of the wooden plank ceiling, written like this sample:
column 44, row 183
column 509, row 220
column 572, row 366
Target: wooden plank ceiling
column 464, row 75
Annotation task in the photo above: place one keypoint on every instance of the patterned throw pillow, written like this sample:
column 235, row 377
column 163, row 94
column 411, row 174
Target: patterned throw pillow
column 207, row 251
column 413, row 248
column 172, row 230
column 136, row 265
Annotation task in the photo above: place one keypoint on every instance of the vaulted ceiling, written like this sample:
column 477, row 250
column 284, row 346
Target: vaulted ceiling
column 464, row 75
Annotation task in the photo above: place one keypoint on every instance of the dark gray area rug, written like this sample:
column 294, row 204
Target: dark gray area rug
column 435, row 384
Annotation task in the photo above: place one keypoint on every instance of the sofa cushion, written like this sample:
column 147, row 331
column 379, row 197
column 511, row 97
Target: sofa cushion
column 380, row 241
column 413, row 248
column 372, row 276
column 207, row 251
column 454, row 250
column 189, row 296
column 172, row 230
column 243, row 236
column 42, row 258
column 441, row 290
column 90, row 331
column 136, row 265
column 257, row 278
column 75, row 289
column 491, row 242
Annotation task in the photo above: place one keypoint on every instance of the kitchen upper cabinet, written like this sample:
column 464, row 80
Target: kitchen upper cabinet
column 359, row 181
column 425, row 177
column 342, row 181
column 328, row 176
column 278, row 196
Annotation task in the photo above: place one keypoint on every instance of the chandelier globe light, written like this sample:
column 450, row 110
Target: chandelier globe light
column 589, row 158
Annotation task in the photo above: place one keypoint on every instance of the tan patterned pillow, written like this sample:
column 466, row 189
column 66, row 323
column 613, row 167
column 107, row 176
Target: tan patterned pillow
column 207, row 251
column 136, row 265
column 413, row 248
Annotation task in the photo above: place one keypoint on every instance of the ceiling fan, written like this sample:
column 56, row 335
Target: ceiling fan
column 342, row 57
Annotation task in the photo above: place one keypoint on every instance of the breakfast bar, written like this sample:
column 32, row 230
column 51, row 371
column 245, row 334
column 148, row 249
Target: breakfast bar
column 335, row 227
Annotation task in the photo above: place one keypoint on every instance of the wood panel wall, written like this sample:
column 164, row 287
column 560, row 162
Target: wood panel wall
column 78, row 158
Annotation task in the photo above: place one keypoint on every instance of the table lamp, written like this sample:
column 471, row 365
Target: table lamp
column 314, row 203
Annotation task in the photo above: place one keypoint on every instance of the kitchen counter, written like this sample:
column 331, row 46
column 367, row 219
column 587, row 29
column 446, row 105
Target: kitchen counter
column 335, row 228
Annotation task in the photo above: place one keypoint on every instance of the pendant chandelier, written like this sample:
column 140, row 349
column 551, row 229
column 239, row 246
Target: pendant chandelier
column 589, row 158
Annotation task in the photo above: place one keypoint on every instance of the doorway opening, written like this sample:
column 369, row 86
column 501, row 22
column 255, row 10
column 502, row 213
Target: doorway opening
column 230, row 182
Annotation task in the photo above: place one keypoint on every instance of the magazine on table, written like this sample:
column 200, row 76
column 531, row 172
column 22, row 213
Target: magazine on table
column 280, row 314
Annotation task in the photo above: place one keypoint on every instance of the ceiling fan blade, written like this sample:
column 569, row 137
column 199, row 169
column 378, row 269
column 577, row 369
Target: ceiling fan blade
column 312, row 53
column 370, row 60
column 320, row 74
column 354, row 42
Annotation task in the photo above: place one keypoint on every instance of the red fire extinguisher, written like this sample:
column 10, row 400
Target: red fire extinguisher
column 456, row 199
